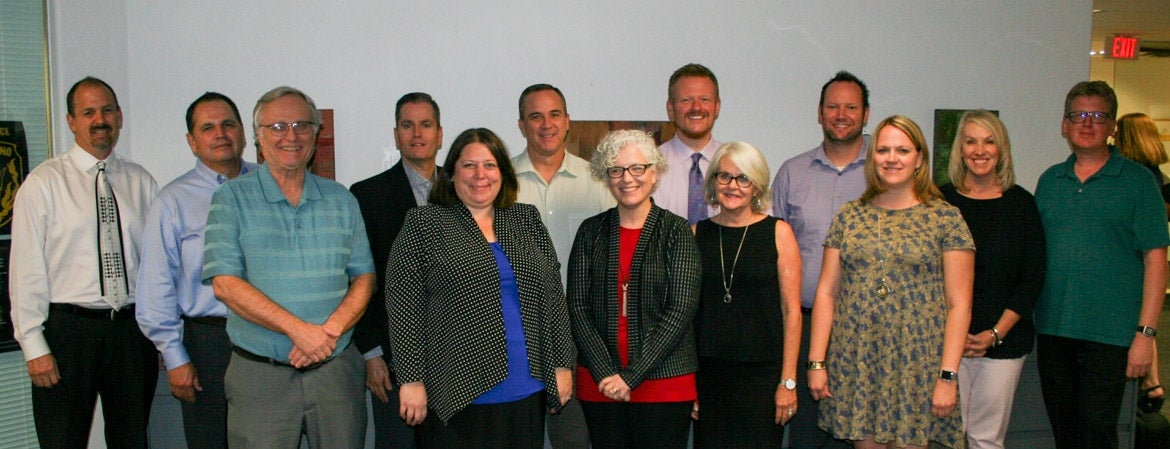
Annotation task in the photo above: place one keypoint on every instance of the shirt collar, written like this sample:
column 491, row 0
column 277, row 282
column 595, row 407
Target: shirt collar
column 271, row 190
column 214, row 177
column 523, row 164
column 85, row 162
column 415, row 178
column 820, row 156
column 1112, row 165
column 682, row 148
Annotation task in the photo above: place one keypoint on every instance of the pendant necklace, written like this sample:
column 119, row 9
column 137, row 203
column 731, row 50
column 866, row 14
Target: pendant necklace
column 882, row 290
column 723, row 270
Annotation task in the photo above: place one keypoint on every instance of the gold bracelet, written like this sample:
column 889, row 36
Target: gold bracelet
column 818, row 365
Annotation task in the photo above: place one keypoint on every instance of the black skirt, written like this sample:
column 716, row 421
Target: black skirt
column 737, row 404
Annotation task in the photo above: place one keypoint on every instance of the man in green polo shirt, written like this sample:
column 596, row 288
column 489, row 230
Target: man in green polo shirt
column 1105, row 228
column 287, row 252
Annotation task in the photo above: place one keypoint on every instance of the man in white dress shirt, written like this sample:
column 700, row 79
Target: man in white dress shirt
column 74, row 316
column 560, row 186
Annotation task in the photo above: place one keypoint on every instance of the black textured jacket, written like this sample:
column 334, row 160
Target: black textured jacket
column 663, row 297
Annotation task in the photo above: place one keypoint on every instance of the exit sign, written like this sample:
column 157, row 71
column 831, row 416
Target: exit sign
column 1121, row 47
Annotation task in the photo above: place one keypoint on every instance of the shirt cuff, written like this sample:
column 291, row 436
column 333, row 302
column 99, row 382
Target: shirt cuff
column 376, row 352
column 34, row 346
column 176, row 357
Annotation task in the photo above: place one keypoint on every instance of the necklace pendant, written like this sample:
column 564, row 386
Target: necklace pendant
column 727, row 298
column 882, row 290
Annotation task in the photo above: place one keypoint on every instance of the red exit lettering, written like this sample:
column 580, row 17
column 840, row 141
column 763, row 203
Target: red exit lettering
column 1123, row 47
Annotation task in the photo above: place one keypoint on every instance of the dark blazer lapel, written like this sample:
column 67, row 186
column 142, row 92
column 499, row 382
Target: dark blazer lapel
column 400, row 194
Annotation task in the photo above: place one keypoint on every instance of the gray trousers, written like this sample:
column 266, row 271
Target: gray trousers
column 271, row 406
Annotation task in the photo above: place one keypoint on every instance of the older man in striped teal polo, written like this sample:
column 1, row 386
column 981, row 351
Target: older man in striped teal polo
column 287, row 252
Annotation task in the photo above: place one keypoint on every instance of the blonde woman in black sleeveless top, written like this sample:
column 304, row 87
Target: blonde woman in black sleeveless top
column 748, row 325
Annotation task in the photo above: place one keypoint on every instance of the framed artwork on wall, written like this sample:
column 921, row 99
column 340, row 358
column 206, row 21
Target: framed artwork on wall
column 584, row 134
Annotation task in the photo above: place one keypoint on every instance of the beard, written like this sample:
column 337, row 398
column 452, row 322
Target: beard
column 846, row 139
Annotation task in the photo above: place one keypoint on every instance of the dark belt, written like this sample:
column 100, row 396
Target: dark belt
column 806, row 310
column 271, row 361
column 217, row 321
column 97, row 314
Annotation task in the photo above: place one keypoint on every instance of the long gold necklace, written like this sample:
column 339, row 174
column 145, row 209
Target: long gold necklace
column 882, row 290
column 723, row 270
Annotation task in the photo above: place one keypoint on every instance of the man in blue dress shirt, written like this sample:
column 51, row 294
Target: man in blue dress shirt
column 175, row 310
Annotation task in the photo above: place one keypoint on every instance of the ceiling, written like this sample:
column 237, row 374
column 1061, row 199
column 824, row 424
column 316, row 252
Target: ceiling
column 1149, row 20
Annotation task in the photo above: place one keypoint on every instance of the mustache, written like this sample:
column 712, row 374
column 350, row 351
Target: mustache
column 101, row 127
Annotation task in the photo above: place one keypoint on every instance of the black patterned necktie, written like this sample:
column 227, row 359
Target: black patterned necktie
column 112, row 265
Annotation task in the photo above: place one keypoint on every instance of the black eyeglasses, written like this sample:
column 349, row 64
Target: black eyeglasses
column 725, row 178
column 1080, row 116
column 636, row 170
column 279, row 129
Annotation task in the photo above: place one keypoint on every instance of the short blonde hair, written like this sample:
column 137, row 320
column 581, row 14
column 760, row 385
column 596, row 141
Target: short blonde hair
column 924, row 189
column 1004, row 172
column 1137, row 139
column 752, row 163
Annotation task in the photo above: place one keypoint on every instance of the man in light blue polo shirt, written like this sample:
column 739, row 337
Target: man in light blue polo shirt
column 287, row 252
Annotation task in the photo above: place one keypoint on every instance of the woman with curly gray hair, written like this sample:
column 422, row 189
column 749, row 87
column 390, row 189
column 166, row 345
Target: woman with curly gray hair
column 633, row 291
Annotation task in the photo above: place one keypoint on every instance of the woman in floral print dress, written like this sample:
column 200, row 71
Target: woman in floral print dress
column 893, row 304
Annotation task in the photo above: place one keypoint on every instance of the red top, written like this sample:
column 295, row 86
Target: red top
column 671, row 389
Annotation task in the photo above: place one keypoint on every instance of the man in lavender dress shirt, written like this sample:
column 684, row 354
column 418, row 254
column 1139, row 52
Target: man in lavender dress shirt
column 807, row 192
column 693, row 106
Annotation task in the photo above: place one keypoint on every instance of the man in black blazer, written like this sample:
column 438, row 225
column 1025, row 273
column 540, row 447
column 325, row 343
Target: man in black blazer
column 384, row 200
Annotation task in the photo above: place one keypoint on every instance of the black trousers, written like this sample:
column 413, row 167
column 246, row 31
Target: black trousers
column 96, row 356
column 511, row 425
column 1083, row 384
column 645, row 425
column 205, row 421
column 390, row 430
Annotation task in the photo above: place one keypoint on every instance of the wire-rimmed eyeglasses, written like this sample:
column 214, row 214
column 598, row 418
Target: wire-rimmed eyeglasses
column 279, row 129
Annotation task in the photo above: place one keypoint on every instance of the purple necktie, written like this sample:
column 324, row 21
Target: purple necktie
column 696, row 207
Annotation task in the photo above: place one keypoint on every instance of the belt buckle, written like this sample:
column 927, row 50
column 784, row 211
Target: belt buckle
column 113, row 314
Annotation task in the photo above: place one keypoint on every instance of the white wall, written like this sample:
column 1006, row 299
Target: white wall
column 611, row 59
column 1140, row 84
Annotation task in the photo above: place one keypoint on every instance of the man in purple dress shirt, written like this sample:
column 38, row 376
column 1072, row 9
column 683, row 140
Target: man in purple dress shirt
column 807, row 192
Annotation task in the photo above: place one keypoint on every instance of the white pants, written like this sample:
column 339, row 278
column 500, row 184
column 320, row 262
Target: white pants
column 987, row 388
